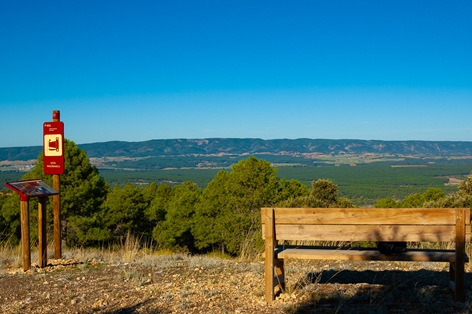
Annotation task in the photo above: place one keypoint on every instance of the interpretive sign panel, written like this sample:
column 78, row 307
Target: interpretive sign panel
column 53, row 147
column 31, row 188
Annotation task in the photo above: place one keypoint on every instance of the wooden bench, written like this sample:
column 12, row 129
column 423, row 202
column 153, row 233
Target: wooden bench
column 364, row 224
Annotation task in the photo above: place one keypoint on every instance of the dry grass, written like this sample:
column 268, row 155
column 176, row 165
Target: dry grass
column 9, row 255
column 129, row 278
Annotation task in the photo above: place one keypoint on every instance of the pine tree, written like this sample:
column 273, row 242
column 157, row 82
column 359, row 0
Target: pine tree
column 83, row 192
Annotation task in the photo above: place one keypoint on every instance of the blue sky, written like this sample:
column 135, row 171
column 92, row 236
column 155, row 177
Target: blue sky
column 142, row 70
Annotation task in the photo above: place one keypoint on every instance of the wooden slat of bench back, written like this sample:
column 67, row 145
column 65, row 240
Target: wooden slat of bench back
column 366, row 224
column 366, row 233
column 366, row 216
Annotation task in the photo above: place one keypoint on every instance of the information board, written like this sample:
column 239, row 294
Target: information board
column 31, row 188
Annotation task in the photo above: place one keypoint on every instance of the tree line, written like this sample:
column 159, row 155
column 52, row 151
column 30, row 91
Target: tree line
column 224, row 216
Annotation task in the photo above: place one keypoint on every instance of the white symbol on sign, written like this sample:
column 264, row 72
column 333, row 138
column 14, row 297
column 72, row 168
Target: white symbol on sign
column 53, row 145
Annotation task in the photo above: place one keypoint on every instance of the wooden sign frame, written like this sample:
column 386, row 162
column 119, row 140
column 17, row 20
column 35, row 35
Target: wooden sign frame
column 27, row 189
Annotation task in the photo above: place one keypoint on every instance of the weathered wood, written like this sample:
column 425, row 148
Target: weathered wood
column 268, row 218
column 411, row 233
column 25, row 234
column 279, row 273
column 460, row 253
column 57, row 217
column 361, row 254
column 365, row 224
column 279, row 281
column 42, row 235
column 365, row 216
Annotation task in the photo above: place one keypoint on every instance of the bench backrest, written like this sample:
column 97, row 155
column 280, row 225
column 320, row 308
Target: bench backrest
column 367, row 224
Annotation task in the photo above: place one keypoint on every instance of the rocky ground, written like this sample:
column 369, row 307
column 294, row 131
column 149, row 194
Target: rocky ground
column 179, row 283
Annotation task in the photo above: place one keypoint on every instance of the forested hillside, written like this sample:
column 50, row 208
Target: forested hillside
column 223, row 215
column 287, row 146
column 233, row 146
column 364, row 170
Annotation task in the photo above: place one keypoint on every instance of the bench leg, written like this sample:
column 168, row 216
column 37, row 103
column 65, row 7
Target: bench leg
column 269, row 274
column 270, row 246
column 452, row 272
column 459, row 282
column 456, row 277
column 452, row 277
column 279, row 273
column 273, row 280
column 271, row 261
column 459, row 271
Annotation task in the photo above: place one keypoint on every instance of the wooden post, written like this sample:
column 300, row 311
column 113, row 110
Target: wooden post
column 460, row 255
column 25, row 233
column 269, row 222
column 42, row 235
column 56, row 184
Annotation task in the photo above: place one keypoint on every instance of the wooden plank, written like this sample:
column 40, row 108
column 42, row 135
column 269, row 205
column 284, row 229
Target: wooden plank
column 364, row 216
column 428, row 216
column 358, row 233
column 360, row 254
column 365, row 233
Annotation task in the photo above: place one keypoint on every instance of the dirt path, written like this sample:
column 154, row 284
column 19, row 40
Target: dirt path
column 184, row 284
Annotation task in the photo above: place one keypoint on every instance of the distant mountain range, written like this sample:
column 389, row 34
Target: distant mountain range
column 242, row 146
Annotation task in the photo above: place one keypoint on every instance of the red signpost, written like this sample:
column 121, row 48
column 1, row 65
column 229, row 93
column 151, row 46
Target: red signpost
column 53, row 151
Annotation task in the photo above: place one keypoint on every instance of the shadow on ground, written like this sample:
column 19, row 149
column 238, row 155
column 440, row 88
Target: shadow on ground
column 130, row 309
column 348, row 291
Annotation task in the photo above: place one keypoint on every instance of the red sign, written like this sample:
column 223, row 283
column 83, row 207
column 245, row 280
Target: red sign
column 53, row 147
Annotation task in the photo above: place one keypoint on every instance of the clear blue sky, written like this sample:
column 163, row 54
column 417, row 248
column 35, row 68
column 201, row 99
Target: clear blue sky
column 142, row 70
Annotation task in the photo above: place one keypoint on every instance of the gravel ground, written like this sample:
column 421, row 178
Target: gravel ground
column 179, row 283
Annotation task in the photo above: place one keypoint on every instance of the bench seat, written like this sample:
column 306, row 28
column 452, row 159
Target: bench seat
column 351, row 225
column 364, row 254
